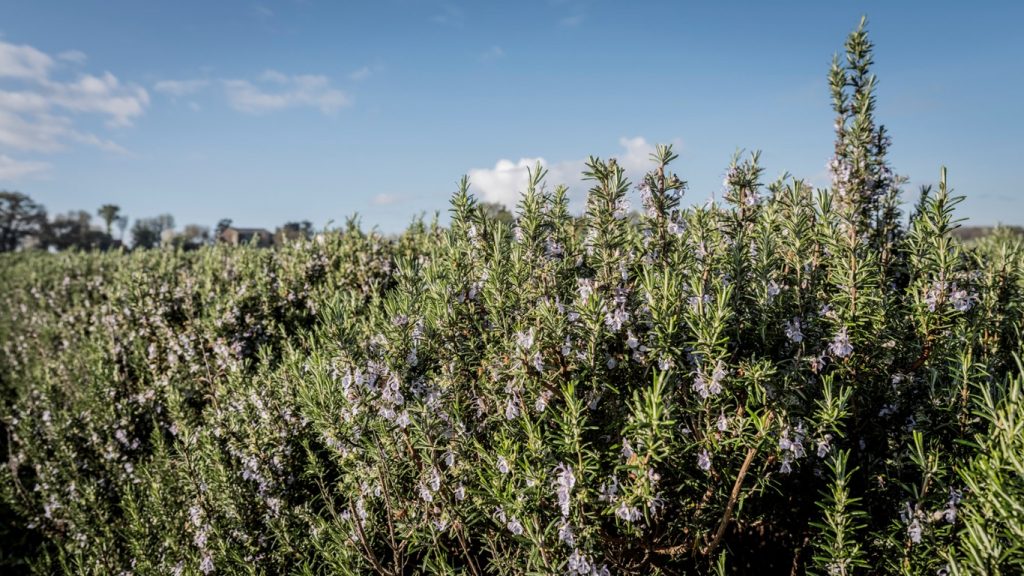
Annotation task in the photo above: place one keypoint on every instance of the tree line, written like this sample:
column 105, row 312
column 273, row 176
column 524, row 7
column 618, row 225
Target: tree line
column 25, row 224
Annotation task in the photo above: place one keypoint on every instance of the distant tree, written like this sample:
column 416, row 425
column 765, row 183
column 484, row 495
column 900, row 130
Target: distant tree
column 147, row 232
column 166, row 222
column 222, row 225
column 293, row 231
column 195, row 235
column 109, row 213
column 73, row 230
column 20, row 217
column 497, row 211
column 122, row 224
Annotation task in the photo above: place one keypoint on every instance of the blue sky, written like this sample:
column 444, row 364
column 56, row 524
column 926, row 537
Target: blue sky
column 271, row 111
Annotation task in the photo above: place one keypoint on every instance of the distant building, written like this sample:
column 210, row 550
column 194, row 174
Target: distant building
column 167, row 237
column 243, row 236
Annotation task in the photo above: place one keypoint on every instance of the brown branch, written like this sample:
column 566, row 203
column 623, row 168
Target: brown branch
column 387, row 503
column 672, row 550
column 465, row 550
column 924, row 356
column 362, row 539
column 733, row 497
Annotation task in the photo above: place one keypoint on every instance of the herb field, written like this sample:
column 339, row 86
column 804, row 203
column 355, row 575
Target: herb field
column 791, row 380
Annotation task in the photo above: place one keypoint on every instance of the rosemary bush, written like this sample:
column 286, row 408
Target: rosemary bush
column 792, row 380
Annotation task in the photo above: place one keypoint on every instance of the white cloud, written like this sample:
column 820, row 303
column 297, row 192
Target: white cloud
column 285, row 91
column 506, row 181
column 40, row 107
column 178, row 88
column 11, row 169
column 23, row 62
column 73, row 56
column 104, row 95
column 36, row 133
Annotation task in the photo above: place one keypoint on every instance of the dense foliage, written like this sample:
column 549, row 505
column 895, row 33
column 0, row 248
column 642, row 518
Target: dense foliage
column 792, row 380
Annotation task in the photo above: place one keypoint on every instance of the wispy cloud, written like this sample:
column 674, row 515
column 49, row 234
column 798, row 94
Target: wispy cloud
column 449, row 15
column 572, row 21
column 40, row 108
column 506, row 181
column 271, row 91
column 179, row 88
column 24, row 62
column 491, row 54
column 360, row 74
column 385, row 199
column 278, row 91
column 262, row 11
column 73, row 56
column 11, row 169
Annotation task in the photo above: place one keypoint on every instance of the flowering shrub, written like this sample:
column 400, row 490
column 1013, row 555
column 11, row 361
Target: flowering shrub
column 792, row 380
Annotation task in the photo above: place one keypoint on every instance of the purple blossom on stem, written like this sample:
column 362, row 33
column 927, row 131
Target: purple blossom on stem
column 841, row 345
column 794, row 331
column 704, row 460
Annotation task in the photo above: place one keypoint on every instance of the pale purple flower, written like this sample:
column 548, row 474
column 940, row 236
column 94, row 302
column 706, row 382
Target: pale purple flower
column 538, row 362
column 841, row 345
column 627, row 513
column 627, row 449
column 704, row 460
column 514, row 526
column 949, row 514
column 542, row 400
column 914, row 531
column 503, row 465
column 578, row 564
column 524, row 339
column 621, row 208
column 567, row 346
column 425, row 494
column 631, row 340
column 716, row 378
column 403, row 419
column 584, row 287
column 824, row 446
column 961, row 300
column 700, row 251
column 553, row 248
column 564, row 483
column 566, row 534
column 665, row 363
column 793, row 331
column 609, row 490
column 934, row 295
column 773, row 289
column 700, row 386
column 723, row 423
column 616, row 318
